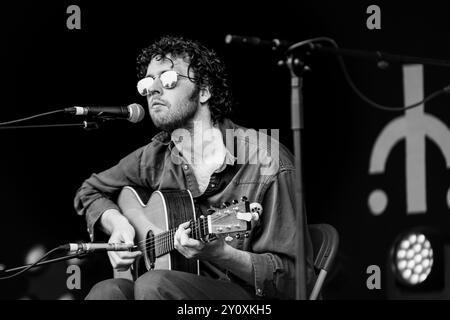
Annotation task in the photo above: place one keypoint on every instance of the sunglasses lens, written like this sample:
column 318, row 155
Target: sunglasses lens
column 144, row 86
column 169, row 79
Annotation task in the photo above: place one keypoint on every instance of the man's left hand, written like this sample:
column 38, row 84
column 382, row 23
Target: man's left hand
column 191, row 248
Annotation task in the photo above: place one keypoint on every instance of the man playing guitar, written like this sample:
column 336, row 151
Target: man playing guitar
column 211, row 160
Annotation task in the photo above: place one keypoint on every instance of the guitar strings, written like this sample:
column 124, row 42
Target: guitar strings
column 163, row 239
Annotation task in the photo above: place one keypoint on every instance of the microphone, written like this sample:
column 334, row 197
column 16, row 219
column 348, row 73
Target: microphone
column 90, row 247
column 274, row 44
column 133, row 112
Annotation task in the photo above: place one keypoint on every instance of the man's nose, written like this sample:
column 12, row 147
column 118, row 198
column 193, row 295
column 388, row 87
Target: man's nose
column 156, row 87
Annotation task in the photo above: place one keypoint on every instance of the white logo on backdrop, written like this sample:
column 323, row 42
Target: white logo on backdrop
column 413, row 127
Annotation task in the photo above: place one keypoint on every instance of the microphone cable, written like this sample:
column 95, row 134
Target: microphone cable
column 355, row 89
column 31, row 117
column 60, row 248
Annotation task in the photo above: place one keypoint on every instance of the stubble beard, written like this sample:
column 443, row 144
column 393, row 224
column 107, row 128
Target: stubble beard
column 177, row 116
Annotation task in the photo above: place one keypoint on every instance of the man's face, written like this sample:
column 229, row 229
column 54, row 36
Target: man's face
column 172, row 108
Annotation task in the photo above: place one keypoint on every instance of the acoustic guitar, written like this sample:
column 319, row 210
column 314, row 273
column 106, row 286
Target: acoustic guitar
column 156, row 222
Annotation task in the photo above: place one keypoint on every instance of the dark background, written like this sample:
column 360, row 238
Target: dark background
column 45, row 66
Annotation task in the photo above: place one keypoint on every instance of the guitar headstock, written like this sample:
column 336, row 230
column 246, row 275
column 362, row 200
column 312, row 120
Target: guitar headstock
column 231, row 220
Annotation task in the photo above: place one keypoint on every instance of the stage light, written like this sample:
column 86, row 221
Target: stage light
column 34, row 254
column 416, row 265
column 66, row 296
column 413, row 258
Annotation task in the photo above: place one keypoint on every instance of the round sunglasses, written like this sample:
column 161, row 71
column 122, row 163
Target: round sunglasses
column 169, row 80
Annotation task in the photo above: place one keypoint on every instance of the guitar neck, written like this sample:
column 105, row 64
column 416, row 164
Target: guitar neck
column 164, row 241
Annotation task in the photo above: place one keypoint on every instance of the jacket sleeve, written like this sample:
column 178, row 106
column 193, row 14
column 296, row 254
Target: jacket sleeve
column 274, row 247
column 99, row 192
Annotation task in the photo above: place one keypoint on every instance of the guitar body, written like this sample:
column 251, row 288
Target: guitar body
column 155, row 222
column 165, row 210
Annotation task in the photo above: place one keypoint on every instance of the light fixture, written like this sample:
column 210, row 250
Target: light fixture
column 416, row 260
column 413, row 258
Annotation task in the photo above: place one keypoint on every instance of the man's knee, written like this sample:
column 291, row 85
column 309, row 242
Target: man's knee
column 154, row 285
column 112, row 289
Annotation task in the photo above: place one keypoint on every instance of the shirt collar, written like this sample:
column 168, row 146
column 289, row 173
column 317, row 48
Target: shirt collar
column 164, row 137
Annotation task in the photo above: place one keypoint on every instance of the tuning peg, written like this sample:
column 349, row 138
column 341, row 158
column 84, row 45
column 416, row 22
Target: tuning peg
column 234, row 201
column 244, row 198
column 225, row 204
column 256, row 210
column 210, row 211
column 256, row 207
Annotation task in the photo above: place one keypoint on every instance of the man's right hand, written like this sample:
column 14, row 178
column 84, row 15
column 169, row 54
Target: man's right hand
column 121, row 232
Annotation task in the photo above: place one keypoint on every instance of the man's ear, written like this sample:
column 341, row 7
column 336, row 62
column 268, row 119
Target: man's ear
column 204, row 94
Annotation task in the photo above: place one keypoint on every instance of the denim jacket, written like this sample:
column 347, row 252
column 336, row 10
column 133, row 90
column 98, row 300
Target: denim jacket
column 262, row 170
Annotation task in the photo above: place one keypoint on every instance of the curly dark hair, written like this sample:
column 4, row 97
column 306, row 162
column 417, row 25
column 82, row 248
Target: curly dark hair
column 209, row 70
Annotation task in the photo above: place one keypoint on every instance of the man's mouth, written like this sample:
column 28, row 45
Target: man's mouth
column 156, row 104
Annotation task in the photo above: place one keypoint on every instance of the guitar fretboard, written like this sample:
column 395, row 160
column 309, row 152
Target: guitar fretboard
column 164, row 241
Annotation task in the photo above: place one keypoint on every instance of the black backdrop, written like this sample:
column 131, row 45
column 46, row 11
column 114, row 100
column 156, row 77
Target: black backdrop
column 45, row 67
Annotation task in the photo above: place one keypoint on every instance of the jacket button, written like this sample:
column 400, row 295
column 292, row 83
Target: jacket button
column 185, row 167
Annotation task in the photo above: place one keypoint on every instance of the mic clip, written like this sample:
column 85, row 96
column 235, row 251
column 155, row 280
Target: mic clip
column 90, row 125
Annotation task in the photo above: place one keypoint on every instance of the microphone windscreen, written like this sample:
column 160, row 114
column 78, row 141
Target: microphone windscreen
column 136, row 111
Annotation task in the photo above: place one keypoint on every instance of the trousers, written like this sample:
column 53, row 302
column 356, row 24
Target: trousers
column 168, row 285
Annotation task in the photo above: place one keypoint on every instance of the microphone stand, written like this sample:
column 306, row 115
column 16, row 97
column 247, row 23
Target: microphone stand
column 85, row 125
column 297, row 69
